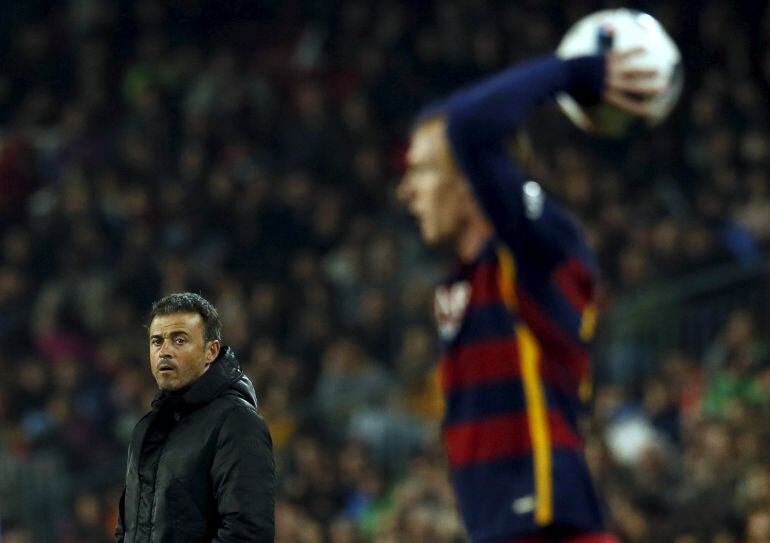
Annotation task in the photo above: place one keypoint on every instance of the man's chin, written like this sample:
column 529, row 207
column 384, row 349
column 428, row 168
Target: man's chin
column 437, row 240
column 168, row 385
column 429, row 237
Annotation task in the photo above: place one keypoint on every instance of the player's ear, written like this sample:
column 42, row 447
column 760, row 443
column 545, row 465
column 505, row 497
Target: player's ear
column 212, row 351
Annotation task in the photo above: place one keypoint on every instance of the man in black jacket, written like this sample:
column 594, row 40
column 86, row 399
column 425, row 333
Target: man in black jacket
column 200, row 464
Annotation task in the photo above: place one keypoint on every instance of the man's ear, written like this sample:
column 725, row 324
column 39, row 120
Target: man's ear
column 212, row 351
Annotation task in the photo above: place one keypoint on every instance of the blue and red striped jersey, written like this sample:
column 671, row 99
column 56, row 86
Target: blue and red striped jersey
column 516, row 325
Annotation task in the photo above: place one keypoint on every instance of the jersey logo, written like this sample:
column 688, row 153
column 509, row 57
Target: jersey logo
column 450, row 305
column 534, row 200
column 523, row 505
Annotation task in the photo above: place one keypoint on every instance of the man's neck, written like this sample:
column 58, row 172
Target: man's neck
column 473, row 238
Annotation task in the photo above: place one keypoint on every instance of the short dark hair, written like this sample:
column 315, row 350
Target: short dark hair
column 429, row 114
column 189, row 302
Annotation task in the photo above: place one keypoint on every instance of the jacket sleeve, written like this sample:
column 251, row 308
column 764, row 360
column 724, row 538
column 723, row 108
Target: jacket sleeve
column 243, row 477
column 480, row 121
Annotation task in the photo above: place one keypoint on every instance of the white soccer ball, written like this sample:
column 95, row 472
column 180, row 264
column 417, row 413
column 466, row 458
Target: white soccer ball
column 621, row 30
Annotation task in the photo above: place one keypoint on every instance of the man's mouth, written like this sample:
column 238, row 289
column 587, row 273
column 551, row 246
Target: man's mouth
column 165, row 368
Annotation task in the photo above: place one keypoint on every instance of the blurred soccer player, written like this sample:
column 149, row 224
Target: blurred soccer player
column 516, row 315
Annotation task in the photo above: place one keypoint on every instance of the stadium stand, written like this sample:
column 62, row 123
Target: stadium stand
column 249, row 151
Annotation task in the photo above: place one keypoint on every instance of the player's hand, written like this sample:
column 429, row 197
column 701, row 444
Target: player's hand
column 629, row 88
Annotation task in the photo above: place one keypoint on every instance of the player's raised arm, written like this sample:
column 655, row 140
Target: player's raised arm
column 482, row 119
column 480, row 123
column 489, row 111
column 486, row 113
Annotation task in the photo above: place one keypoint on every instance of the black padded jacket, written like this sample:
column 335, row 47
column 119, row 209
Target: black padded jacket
column 200, row 465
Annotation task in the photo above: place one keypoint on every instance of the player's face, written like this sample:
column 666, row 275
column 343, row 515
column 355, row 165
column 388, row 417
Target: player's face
column 178, row 353
column 432, row 188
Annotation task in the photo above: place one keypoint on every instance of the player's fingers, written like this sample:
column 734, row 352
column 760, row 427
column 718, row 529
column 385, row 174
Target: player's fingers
column 638, row 73
column 623, row 55
column 634, row 87
column 628, row 104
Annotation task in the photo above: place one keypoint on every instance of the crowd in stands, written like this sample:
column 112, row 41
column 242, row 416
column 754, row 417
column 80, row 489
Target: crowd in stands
column 249, row 151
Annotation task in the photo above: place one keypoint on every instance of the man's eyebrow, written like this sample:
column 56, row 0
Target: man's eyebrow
column 171, row 334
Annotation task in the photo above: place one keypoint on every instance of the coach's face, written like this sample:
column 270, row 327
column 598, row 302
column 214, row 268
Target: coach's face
column 179, row 355
column 433, row 188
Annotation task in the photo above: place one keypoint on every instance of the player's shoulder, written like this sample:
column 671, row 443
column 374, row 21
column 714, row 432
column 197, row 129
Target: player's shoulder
column 553, row 228
column 540, row 206
column 533, row 198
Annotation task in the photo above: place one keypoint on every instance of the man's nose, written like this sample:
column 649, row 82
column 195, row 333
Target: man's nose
column 163, row 352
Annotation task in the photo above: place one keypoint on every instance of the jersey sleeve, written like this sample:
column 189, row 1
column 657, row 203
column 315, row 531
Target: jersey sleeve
column 480, row 121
